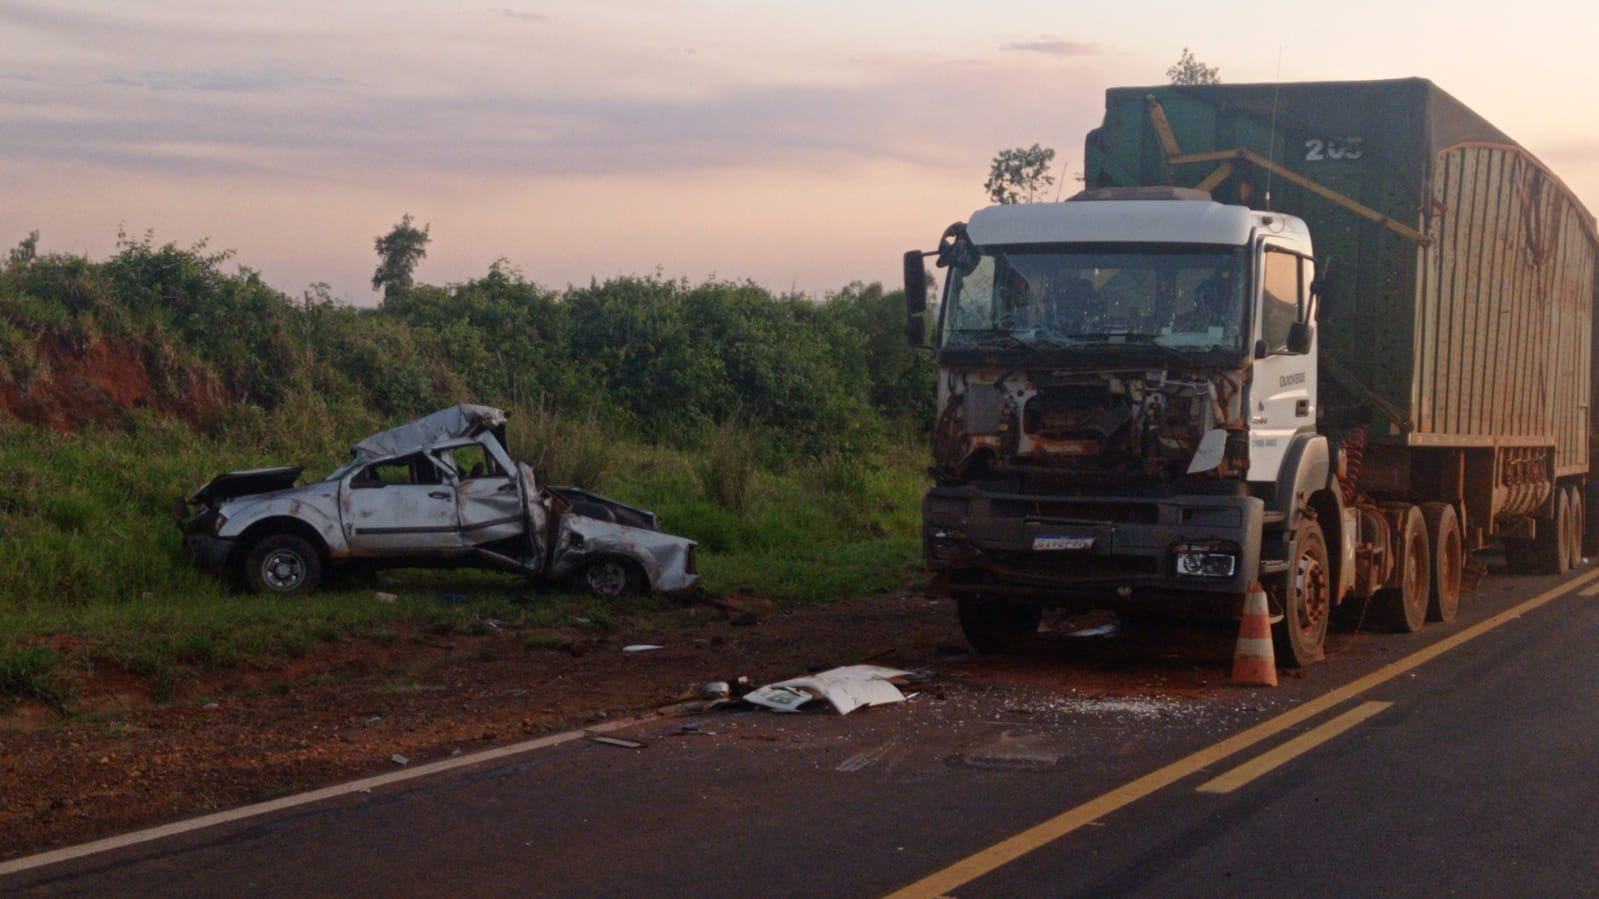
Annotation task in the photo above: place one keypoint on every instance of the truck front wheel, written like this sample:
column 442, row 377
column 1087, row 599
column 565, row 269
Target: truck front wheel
column 994, row 625
column 1307, row 600
column 282, row 564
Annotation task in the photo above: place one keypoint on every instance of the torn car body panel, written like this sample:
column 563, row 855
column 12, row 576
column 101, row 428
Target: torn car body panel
column 441, row 491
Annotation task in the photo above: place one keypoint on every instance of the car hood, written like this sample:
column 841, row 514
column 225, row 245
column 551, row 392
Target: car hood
column 246, row 483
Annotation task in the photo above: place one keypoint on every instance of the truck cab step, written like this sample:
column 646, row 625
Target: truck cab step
column 1273, row 566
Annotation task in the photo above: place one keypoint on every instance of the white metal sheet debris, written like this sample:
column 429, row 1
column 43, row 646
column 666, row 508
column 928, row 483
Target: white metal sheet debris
column 847, row 688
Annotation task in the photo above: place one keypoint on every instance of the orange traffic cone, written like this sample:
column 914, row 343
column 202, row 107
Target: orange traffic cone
column 1254, row 662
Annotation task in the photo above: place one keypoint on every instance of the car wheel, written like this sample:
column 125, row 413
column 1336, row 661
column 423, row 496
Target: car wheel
column 282, row 564
column 611, row 578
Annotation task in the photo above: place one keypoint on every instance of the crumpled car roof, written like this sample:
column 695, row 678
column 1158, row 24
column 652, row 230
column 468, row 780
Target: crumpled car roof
column 463, row 420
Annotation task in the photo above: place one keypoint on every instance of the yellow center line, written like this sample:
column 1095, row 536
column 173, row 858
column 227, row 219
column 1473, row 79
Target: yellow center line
column 1298, row 746
column 1591, row 591
column 1008, row 850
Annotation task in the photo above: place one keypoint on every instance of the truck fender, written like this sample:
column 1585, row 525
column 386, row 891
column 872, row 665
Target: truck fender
column 240, row 520
column 1306, row 469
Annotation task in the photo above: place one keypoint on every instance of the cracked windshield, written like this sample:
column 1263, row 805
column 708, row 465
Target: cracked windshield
column 1188, row 300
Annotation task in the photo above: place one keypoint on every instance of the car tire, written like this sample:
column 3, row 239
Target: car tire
column 611, row 578
column 282, row 564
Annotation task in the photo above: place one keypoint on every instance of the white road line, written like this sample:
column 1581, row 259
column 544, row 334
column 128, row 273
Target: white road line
column 264, row 808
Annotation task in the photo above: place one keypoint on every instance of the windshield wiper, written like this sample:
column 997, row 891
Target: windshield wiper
column 1128, row 338
column 987, row 335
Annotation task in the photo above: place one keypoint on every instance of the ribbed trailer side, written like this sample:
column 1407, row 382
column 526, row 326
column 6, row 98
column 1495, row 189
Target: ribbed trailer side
column 1504, row 304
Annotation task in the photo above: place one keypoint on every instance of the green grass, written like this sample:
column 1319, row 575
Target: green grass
column 96, row 557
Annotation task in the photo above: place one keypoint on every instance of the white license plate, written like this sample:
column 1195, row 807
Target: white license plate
column 1061, row 541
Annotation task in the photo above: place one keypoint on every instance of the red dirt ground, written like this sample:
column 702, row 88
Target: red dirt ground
column 345, row 711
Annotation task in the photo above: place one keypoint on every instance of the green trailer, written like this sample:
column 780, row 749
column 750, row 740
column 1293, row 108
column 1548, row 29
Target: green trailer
column 1458, row 279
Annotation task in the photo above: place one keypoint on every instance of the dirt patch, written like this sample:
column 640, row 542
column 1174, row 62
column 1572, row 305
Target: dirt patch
column 345, row 710
column 349, row 708
column 70, row 386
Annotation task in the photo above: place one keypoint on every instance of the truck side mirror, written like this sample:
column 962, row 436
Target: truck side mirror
column 915, row 300
column 915, row 284
column 1300, row 335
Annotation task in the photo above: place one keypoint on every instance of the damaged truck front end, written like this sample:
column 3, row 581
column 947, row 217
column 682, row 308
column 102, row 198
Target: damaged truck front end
column 439, row 492
column 1091, row 449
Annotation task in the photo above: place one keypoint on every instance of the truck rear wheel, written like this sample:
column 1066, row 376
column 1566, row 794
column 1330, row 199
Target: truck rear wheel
column 1551, row 544
column 995, row 625
column 1405, row 606
column 1448, row 560
column 1574, row 525
column 1307, row 600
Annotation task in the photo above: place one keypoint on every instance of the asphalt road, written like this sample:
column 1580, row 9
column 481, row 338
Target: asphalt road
column 1454, row 762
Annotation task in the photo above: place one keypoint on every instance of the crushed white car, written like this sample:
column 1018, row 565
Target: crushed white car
column 440, row 491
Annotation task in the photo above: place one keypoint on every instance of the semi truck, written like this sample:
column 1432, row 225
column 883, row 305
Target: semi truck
column 1320, row 339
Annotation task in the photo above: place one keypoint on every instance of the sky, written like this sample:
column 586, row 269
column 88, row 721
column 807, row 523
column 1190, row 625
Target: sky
column 800, row 145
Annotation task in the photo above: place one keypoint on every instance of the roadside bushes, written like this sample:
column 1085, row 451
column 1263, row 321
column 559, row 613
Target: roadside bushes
column 658, row 358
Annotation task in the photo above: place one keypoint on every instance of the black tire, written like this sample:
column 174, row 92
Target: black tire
column 1574, row 525
column 1590, row 530
column 1551, row 545
column 611, row 578
column 1519, row 556
column 994, row 625
column 1405, row 607
column 282, row 564
column 1307, row 600
column 1448, row 560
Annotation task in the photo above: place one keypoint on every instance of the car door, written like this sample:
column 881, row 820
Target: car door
column 404, row 505
column 490, row 505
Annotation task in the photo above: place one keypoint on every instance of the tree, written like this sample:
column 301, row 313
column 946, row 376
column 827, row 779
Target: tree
column 1188, row 70
column 1017, row 175
column 398, row 253
column 25, row 252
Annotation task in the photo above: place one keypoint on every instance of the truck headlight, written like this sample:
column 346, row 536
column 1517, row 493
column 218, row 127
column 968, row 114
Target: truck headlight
column 1211, row 560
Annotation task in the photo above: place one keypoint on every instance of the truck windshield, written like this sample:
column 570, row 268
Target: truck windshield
column 1186, row 297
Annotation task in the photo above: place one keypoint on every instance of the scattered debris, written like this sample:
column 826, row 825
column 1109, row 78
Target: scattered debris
column 716, row 689
column 386, row 597
column 399, row 759
column 642, row 647
column 617, row 741
column 847, row 688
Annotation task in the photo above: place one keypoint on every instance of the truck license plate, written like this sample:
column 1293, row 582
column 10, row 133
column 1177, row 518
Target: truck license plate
column 1061, row 541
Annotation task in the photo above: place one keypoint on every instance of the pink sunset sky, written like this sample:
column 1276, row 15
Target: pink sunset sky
column 799, row 145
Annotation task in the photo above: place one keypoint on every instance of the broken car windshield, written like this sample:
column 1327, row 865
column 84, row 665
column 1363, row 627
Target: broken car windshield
column 1184, row 298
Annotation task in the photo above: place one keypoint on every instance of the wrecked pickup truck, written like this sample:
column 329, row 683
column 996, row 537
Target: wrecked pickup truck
column 439, row 492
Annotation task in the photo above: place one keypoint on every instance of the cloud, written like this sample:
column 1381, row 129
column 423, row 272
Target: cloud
column 227, row 81
column 522, row 16
column 1054, row 48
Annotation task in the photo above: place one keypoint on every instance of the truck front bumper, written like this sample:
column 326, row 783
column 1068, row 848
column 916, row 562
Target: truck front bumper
column 1075, row 547
column 208, row 553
